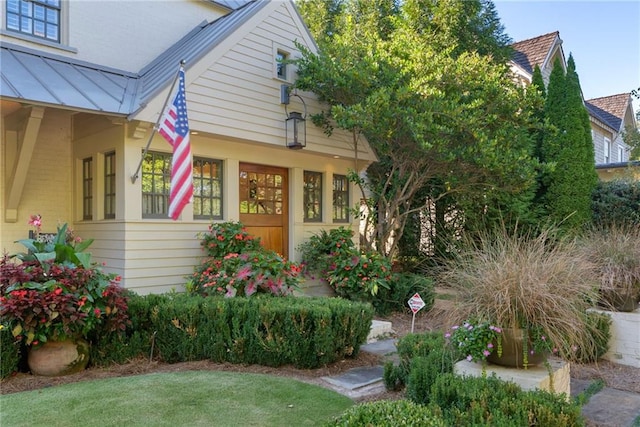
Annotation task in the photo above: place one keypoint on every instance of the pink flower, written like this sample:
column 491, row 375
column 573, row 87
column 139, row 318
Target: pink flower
column 486, row 353
column 469, row 358
column 490, row 345
column 36, row 221
column 447, row 335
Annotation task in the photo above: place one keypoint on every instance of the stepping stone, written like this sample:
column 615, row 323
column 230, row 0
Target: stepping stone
column 357, row 377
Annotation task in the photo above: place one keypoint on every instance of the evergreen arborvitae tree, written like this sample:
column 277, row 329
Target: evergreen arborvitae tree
column 537, row 133
column 568, row 145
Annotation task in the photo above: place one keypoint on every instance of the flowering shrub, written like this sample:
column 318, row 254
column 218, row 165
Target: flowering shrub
column 358, row 276
column 248, row 269
column 318, row 251
column 475, row 341
column 351, row 273
column 227, row 238
column 52, row 294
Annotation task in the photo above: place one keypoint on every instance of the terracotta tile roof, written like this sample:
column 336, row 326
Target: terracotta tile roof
column 532, row 52
column 609, row 109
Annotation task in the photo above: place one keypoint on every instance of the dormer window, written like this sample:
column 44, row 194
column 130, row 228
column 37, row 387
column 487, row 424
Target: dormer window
column 38, row 18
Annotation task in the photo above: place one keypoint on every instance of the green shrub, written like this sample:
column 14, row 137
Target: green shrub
column 357, row 275
column 423, row 372
column 492, row 402
column 317, row 251
column 137, row 339
column 599, row 327
column 304, row 332
column 401, row 287
column 386, row 413
column 9, row 353
column 616, row 202
column 430, row 345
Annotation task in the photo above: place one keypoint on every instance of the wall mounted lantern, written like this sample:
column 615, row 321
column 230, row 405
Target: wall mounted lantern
column 295, row 123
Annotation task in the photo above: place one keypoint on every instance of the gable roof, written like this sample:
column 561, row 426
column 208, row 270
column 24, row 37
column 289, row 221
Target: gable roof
column 159, row 73
column 36, row 76
column 535, row 51
column 610, row 109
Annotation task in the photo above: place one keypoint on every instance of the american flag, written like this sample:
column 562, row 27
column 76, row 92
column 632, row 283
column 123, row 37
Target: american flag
column 174, row 127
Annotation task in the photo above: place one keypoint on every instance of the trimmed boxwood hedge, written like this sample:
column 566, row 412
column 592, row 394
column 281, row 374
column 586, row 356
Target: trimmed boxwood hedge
column 303, row 332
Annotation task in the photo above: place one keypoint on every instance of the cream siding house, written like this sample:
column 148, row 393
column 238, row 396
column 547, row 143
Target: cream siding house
column 613, row 114
column 78, row 112
column 609, row 115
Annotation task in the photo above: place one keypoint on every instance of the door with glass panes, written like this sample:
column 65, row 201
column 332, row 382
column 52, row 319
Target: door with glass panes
column 264, row 204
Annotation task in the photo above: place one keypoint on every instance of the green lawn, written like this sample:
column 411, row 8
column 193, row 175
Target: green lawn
column 194, row 398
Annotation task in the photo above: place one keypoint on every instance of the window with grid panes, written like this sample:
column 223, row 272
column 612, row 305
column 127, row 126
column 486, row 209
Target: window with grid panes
column 39, row 18
column 207, row 188
column 340, row 198
column 110, row 185
column 87, row 188
column 312, row 196
column 156, row 183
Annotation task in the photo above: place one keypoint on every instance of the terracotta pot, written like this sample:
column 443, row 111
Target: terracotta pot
column 57, row 358
column 513, row 351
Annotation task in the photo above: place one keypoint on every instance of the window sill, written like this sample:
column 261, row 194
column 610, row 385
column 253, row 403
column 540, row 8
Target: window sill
column 37, row 40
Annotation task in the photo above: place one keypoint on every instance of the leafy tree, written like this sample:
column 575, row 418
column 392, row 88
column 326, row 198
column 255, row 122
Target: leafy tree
column 468, row 25
column 321, row 17
column 631, row 135
column 568, row 146
column 449, row 121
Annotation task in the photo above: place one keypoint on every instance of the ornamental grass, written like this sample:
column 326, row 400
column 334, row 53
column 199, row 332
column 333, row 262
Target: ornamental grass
column 512, row 280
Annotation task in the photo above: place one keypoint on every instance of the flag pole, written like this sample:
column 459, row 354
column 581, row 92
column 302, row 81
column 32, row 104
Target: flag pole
column 134, row 177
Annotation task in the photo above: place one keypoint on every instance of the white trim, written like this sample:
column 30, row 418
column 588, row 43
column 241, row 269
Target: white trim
column 607, row 150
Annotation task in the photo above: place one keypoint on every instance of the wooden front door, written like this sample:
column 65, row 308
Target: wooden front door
column 264, row 205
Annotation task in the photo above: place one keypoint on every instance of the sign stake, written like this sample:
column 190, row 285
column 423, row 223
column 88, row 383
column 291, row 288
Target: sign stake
column 416, row 304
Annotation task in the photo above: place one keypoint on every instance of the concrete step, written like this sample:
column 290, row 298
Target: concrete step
column 379, row 330
column 358, row 382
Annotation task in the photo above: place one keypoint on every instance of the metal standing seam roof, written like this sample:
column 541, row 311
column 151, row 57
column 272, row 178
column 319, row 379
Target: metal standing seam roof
column 31, row 75
column 231, row 4
column 28, row 74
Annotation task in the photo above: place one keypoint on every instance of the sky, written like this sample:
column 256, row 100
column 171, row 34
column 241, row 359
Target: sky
column 603, row 36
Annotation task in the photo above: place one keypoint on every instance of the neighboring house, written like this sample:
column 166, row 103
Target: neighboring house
column 608, row 115
column 82, row 85
column 541, row 51
column 623, row 170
